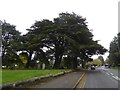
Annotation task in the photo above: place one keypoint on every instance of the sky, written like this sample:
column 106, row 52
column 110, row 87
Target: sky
column 101, row 15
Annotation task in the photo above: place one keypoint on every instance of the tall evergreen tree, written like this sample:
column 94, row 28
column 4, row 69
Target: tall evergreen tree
column 67, row 32
column 10, row 39
column 114, row 55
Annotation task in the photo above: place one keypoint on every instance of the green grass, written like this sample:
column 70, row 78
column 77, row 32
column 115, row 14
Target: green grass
column 0, row 76
column 16, row 75
column 116, row 68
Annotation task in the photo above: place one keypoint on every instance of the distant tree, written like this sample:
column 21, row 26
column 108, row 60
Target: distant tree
column 118, row 40
column 107, row 61
column 1, row 43
column 97, row 62
column 102, row 59
column 114, row 55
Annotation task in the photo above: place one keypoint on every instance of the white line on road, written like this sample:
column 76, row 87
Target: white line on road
column 111, row 73
column 107, row 73
column 116, row 77
column 113, row 76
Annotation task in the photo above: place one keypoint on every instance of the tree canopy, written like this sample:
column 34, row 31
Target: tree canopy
column 114, row 51
column 10, row 39
column 67, row 36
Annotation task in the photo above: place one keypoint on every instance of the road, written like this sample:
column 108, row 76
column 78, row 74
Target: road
column 100, row 78
column 93, row 79
column 66, row 81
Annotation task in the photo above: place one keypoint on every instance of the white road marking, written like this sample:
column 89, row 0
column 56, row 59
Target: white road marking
column 116, row 77
column 107, row 73
column 113, row 76
column 111, row 73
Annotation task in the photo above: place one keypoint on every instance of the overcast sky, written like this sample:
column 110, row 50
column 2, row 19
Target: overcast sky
column 101, row 15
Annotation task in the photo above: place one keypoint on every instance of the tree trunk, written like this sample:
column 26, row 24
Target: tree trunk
column 83, row 64
column 45, row 59
column 29, row 59
column 57, row 64
column 47, row 64
column 59, row 50
column 58, row 58
column 74, row 63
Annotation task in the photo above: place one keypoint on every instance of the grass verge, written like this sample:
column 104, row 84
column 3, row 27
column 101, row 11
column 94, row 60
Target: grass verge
column 17, row 75
column 116, row 68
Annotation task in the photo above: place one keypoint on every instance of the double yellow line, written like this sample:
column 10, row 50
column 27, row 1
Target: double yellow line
column 81, row 82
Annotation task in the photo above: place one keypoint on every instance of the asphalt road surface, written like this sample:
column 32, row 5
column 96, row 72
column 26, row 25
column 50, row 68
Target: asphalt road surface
column 101, row 78
column 93, row 79
column 98, row 79
column 66, row 81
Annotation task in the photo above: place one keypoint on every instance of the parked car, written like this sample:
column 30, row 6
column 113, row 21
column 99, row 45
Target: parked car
column 92, row 67
column 107, row 66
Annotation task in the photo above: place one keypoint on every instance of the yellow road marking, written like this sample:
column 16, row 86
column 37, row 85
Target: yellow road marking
column 76, row 84
column 82, row 82
column 85, row 81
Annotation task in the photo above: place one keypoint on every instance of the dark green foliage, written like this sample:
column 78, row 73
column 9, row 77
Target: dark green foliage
column 10, row 39
column 114, row 55
column 67, row 35
column 101, row 59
